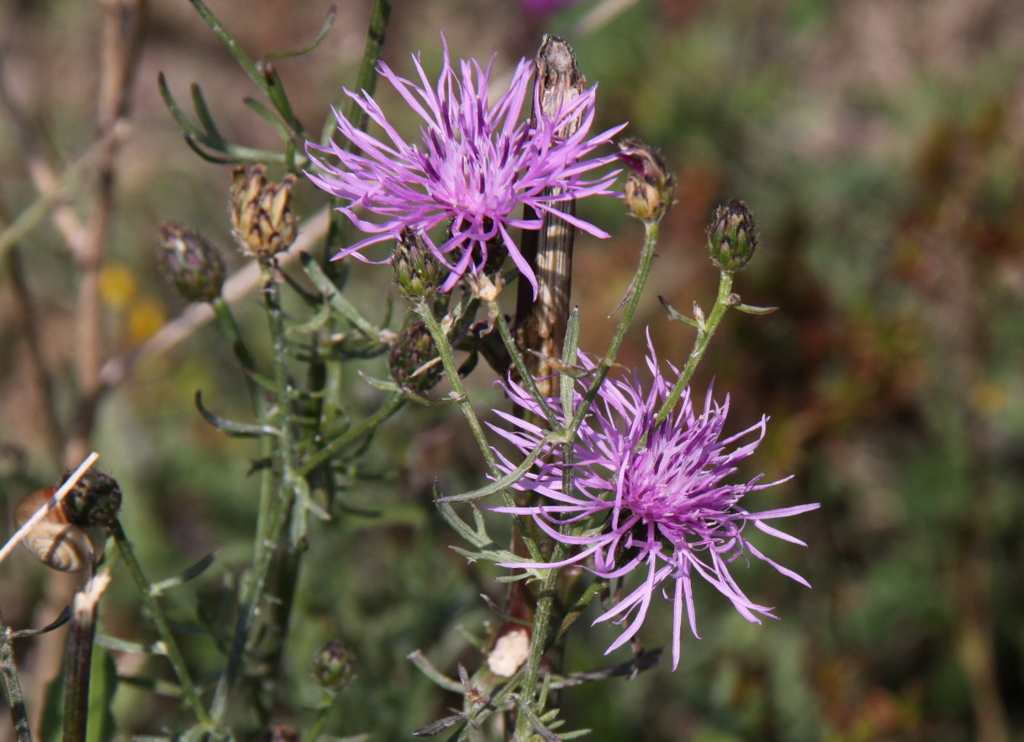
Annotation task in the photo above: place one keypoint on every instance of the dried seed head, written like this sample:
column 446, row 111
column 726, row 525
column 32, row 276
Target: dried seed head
column 414, row 362
column 332, row 665
column 732, row 239
column 94, row 501
column 261, row 215
column 192, row 264
column 417, row 272
column 650, row 187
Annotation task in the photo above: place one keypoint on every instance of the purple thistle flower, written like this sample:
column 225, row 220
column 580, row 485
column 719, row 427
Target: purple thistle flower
column 665, row 507
column 475, row 165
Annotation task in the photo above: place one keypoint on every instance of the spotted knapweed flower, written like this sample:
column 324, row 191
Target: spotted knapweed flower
column 665, row 510
column 476, row 164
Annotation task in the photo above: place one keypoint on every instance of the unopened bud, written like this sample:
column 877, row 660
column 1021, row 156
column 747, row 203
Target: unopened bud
column 261, row 215
column 332, row 666
column 94, row 500
column 191, row 263
column 414, row 362
column 732, row 239
column 417, row 272
column 650, row 187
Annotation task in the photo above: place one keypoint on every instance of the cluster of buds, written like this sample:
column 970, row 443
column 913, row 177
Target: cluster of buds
column 650, row 187
column 192, row 264
column 261, row 216
column 732, row 239
column 418, row 273
column 414, row 362
column 333, row 666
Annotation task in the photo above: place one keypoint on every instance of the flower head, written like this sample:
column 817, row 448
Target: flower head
column 666, row 510
column 475, row 165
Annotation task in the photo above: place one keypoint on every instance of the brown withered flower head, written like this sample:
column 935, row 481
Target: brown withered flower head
column 192, row 264
column 414, row 362
column 261, row 217
column 650, row 187
column 94, row 501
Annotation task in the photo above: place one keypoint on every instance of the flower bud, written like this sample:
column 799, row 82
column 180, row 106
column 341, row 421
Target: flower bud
column 261, row 216
column 191, row 263
column 332, row 666
column 650, row 187
column 409, row 359
column 94, row 500
column 417, row 272
column 732, row 240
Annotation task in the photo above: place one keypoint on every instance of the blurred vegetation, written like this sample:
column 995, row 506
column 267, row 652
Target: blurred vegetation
column 879, row 143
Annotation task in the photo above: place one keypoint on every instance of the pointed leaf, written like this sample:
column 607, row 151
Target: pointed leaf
column 332, row 13
column 242, row 430
column 674, row 314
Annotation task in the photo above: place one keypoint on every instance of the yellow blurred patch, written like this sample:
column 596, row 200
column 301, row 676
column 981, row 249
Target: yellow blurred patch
column 117, row 285
column 988, row 397
column 145, row 317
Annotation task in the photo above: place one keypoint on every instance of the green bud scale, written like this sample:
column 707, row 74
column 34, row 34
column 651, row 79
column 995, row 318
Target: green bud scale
column 732, row 237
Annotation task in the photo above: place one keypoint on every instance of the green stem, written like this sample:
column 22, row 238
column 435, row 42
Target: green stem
column 517, row 359
column 705, row 331
column 444, row 349
column 651, row 230
column 546, row 595
column 222, row 310
column 160, row 620
column 236, row 51
column 351, row 435
column 270, row 528
column 366, row 80
column 226, row 318
column 319, row 723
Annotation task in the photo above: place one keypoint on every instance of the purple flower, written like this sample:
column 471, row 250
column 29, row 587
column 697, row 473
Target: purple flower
column 474, row 166
column 665, row 510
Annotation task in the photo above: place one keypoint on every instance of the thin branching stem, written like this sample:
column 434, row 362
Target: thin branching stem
column 444, row 349
column 549, row 583
column 635, row 290
column 705, row 331
column 152, row 606
column 520, row 363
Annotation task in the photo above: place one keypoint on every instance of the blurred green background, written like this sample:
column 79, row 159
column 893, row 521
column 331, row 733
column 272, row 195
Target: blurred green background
column 879, row 144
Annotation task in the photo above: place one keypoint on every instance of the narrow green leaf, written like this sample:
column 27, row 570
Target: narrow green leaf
column 270, row 117
column 175, row 109
column 427, row 668
column 242, row 430
column 332, row 13
column 204, row 115
column 569, row 353
column 102, row 686
column 675, row 315
column 189, row 574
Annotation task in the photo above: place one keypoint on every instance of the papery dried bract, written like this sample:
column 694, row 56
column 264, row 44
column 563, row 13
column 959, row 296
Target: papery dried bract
column 261, row 217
